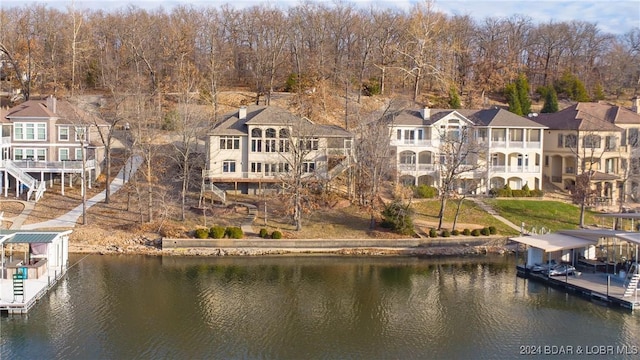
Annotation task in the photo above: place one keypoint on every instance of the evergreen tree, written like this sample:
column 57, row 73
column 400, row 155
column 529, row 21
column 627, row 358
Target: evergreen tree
column 511, row 93
column 550, row 100
column 454, row 99
column 522, row 86
column 580, row 91
column 598, row 92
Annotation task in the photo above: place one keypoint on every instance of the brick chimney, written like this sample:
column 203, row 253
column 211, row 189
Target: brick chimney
column 242, row 113
column 52, row 103
column 425, row 112
column 635, row 105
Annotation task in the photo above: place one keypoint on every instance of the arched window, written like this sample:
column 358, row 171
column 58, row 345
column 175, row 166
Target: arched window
column 284, row 134
column 270, row 143
column 256, row 132
column 270, row 133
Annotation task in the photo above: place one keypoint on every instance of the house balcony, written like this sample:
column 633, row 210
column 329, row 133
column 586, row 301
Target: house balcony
column 416, row 143
column 515, row 169
column 426, row 168
column 54, row 166
column 251, row 177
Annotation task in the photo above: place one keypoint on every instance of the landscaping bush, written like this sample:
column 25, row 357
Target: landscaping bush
column 466, row 232
column 455, row 232
column 493, row 230
column 264, row 233
column 518, row 193
column 475, row 232
column 216, row 232
column 446, row 233
column 397, row 217
column 234, row 232
column 433, row 233
column 425, row 192
column 485, row 231
column 276, row 234
column 537, row 193
column 202, row 233
column 526, row 191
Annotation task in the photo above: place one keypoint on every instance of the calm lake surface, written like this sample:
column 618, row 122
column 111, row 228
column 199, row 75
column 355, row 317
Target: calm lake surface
column 126, row 307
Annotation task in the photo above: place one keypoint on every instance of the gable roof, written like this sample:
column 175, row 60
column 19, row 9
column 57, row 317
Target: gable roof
column 495, row 117
column 232, row 125
column 589, row 116
column 64, row 112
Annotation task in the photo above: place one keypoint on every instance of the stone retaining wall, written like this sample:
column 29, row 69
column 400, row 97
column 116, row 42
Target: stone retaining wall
column 170, row 243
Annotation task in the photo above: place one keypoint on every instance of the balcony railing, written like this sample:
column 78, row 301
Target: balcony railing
column 33, row 165
column 412, row 143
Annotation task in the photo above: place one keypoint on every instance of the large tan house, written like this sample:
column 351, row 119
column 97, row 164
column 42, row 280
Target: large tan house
column 42, row 142
column 257, row 148
column 596, row 138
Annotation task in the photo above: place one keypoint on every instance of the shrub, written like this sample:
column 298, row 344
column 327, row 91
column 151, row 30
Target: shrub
column 216, row 232
column 455, row 232
column 526, row 190
column 493, row 230
column 426, row 192
column 446, row 233
column 264, row 233
column 202, row 233
column 397, row 217
column 518, row 193
column 537, row 193
column 466, row 232
column 234, row 232
column 433, row 233
column 475, row 232
column 485, row 231
column 276, row 234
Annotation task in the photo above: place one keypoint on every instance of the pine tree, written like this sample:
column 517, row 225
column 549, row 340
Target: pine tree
column 598, row 92
column 512, row 97
column 454, row 99
column 580, row 91
column 522, row 86
column 550, row 101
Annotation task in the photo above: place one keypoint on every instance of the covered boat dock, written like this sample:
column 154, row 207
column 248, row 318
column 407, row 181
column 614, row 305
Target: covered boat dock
column 31, row 262
column 612, row 279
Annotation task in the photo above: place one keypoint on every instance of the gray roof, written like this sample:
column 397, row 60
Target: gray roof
column 232, row 125
column 31, row 237
column 495, row 117
column 589, row 117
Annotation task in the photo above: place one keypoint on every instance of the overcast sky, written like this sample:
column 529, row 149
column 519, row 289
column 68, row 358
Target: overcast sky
column 616, row 17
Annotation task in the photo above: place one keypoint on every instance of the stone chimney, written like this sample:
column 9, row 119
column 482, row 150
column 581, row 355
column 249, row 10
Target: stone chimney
column 635, row 105
column 425, row 112
column 52, row 103
column 242, row 113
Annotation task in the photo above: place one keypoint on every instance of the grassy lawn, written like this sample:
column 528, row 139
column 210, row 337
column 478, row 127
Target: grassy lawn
column 471, row 216
column 552, row 215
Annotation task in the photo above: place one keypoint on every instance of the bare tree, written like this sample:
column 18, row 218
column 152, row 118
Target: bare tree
column 460, row 157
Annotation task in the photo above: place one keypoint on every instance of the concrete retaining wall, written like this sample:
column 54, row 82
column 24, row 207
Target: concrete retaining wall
column 169, row 243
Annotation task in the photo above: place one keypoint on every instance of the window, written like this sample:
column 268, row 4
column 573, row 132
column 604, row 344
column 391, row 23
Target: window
column 591, row 142
column 63, row 154
column 256, row 133
column 407, row 157
column 270, row 145
column 78, row 153
column 30, row 131
column 29, row 154
column 256, row 167
column 309, row 144
column 633, row 137
column 399, row 134
column 230, row 142
column 284, row 145
column 409, row 135
column 482, row 135
column 534, row 135
column 308, row 167
column 560, row 140
column 283, row 167
column 229, row 166
column 256, row 145
column 63, row 133
column 570, row 141
column 610, row 143
column 498, row 134
column 82, row 132
column 546, row 160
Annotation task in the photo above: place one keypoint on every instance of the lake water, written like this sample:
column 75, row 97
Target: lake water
column 311, row 307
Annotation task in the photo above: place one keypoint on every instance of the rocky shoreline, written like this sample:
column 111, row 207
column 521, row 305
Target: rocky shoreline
column 153, row 249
